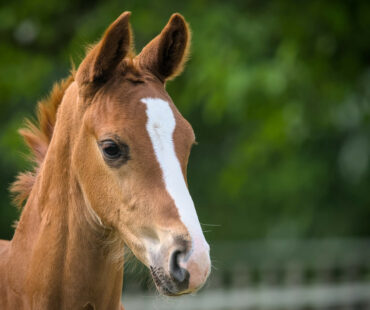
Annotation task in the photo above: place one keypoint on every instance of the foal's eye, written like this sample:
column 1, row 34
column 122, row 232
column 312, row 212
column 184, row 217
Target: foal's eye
column 115, row 154
column 111, row 149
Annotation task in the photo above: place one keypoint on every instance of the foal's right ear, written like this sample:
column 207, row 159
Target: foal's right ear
column 101, row 61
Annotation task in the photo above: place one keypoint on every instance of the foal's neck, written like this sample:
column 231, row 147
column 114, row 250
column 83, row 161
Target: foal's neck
column 60, row 255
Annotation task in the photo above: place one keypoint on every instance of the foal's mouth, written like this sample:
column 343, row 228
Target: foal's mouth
column 167, row 285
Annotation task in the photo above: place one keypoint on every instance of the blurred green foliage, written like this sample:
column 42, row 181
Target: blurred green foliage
column 278, row 93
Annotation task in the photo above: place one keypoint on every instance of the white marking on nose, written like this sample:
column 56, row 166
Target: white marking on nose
column 160, row 126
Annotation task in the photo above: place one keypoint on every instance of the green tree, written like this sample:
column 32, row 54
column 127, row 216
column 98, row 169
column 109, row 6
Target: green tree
column 277, row 92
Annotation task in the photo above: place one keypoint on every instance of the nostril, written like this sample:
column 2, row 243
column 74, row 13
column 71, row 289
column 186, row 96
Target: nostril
column 178, row 274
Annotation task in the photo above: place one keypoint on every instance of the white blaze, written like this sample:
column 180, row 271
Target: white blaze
column 161, row 126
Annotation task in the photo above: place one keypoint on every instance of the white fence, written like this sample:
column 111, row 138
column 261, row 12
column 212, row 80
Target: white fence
column 281, row 275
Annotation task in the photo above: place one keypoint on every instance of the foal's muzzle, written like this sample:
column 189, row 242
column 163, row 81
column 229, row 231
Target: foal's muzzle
column 183, row 270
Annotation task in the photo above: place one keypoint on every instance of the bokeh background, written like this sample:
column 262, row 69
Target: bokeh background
column 278, row 93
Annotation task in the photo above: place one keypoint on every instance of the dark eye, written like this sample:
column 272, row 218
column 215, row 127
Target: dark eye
column 110, row 149
column 115, row 154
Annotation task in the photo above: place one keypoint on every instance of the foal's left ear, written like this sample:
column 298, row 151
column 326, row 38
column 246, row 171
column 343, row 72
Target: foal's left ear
column 167, row 53
column 101, row 61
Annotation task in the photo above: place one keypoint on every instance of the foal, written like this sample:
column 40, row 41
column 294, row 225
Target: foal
column 111, row 153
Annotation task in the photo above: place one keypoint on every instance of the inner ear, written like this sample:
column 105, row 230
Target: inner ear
column 172, row 52
column 167, row 53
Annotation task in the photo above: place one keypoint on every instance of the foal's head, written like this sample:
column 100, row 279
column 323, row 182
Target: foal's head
column 136, row 145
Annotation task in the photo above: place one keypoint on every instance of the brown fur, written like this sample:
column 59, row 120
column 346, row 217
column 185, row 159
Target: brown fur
column 79, row 211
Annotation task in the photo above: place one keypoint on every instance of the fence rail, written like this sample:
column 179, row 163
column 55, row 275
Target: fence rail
column 277, row 274
column 340, row 296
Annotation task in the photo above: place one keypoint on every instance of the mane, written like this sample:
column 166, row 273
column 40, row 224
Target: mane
column 37, row 136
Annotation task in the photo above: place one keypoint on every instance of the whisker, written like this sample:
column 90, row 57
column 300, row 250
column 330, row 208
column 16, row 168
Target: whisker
column 213, row 225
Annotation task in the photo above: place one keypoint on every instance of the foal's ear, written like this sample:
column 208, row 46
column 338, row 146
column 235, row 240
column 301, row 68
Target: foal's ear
column 101, row 61
column 167, row 53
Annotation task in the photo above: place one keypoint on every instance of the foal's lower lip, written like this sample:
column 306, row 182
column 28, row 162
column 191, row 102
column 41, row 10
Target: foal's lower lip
column 162, row 286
